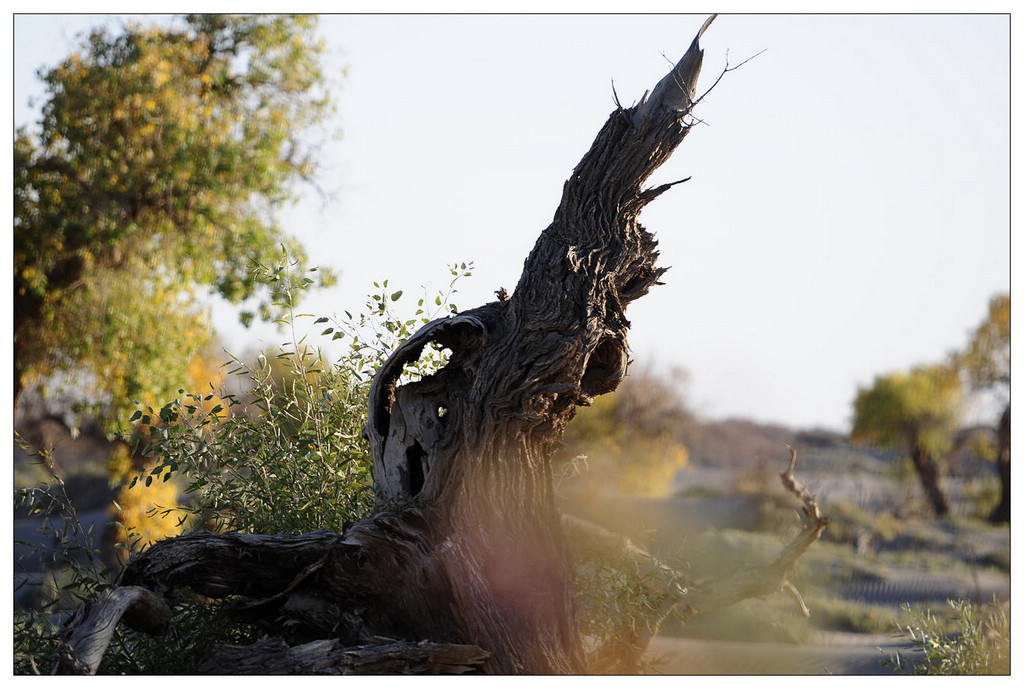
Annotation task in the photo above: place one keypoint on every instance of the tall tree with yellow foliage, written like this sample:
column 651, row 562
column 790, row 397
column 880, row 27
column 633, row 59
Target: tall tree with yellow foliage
column 156, row 173
column 918, row 413
column 986, row 361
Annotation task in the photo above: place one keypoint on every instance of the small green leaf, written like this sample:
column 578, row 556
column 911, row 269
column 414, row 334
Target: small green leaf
column 395, row 295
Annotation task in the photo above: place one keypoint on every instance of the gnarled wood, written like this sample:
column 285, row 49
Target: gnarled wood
column 471, row 446
column 87, row 633
column 467, row 549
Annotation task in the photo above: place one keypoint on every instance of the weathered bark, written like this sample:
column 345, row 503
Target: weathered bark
column 928, row 471
column 1001, row 513
column 471, row 446
column 467, row 549
column 86, row 635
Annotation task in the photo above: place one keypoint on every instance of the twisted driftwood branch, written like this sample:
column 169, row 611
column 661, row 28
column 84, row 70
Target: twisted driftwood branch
column 774, row 577
column 669, row 586
column 85, row 636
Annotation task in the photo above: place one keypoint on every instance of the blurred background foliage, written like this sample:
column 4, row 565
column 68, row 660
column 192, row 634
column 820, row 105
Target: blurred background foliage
column 630, row 441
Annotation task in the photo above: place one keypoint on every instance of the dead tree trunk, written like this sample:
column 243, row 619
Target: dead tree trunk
column 470, row 448
column 1001, row 513
column 466, row 550
column 928, row 471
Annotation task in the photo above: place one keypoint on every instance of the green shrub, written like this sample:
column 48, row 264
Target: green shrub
column 74, row 571
column 979, row 643
column 289, row 456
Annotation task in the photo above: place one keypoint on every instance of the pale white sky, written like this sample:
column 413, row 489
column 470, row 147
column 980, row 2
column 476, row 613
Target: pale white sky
column 848, row 213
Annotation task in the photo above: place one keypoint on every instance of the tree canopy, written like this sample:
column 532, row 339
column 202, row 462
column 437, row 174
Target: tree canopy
column 986, row 363
column 901, row 410
column 986, row 360
column 154, row 176
column 917, row 413
column 924, row 405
